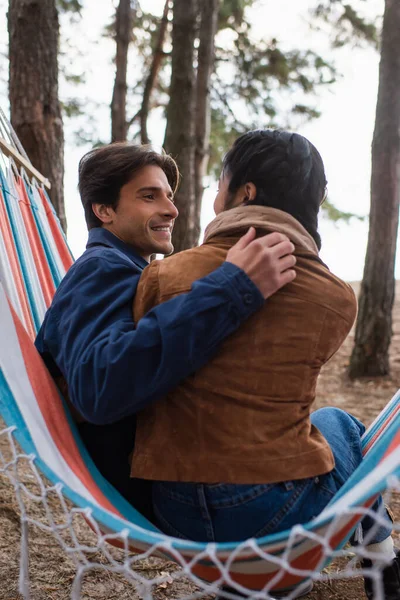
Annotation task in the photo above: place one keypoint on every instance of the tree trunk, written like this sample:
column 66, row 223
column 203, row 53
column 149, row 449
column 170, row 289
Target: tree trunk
column 123, row 34
column 208, row 29
column 33, row 86
column 179, row 135
column 370, row 355
column 153, row 73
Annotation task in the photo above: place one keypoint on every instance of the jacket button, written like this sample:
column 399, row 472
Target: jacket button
column 248, row 299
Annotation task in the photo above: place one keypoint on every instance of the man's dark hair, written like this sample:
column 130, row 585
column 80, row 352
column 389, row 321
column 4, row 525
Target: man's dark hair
column 286, row 169
column 105, row 170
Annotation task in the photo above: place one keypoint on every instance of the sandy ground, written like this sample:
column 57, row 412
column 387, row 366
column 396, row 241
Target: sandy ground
column 52, row 571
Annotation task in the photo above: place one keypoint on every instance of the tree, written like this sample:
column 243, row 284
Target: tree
column 123, row 35
column 370, row 355
column 188, row 115
column 232, row 75
column 180, row 130
column 33, row 88
column 151, row 80
column 257, row 69
column 205, row 66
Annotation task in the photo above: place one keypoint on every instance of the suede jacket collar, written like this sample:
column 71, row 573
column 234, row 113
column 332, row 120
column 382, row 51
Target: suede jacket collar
column 239, row 219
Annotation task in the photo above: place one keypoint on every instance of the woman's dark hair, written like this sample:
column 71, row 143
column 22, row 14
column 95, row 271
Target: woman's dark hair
column 105, row 170
column 286, row 169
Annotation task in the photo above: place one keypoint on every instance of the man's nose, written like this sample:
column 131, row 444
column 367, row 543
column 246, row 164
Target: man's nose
column 170, row 209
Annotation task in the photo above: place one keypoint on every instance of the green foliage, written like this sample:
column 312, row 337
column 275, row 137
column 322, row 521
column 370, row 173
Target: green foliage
column 336, row 215
column 73, row 107
column 258, row 84
column 348, row 27
column 74, row 6
column 262, row 65
column 306, row 111
column 231, row 14
column 74, row 78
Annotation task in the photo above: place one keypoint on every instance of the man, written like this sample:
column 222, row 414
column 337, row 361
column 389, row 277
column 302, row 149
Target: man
column 88, row 337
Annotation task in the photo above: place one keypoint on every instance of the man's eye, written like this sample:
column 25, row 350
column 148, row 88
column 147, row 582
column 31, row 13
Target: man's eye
column 149, row 196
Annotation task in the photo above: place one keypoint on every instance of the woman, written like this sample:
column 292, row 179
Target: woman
column 234, row 451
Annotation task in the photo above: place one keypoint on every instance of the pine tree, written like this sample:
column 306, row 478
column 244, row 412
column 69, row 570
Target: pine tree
column 370, row 355
column 33, row 89
column 125, row 15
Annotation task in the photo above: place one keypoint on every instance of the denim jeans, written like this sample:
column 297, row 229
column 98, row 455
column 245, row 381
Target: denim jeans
column 231, row 512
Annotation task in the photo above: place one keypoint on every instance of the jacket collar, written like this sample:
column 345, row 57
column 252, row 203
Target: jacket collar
column 101, row 237
column 238, row 220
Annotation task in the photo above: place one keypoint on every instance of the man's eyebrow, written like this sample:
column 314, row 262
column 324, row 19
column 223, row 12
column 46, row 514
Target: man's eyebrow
column 154, row 188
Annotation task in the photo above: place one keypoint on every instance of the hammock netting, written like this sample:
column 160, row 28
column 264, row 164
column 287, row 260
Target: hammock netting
column 59, row 491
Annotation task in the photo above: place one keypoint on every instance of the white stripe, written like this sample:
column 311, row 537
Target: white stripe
column 13, row 366
column 27, row 252
column 383, row 416
column 6, row 277
column 49, row 236
column 380, row 473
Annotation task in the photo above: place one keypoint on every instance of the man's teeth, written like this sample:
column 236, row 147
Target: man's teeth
column 161, row 228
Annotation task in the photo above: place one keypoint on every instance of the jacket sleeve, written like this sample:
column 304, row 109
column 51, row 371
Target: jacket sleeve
column 114, row 369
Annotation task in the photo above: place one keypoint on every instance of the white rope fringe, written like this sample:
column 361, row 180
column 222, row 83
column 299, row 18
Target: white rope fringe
column 146, row 573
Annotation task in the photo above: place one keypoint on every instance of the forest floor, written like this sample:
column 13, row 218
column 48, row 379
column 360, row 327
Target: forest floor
column 52, row 571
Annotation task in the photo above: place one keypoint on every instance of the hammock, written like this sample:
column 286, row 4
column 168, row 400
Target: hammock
column 34, row 256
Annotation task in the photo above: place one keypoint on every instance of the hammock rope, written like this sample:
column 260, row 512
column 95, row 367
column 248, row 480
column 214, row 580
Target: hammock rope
column 42, row 437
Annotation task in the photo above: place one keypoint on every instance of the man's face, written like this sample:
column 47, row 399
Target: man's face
column 145, row 215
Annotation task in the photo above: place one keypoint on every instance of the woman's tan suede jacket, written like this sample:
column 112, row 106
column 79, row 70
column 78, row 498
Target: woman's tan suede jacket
column 245, row 416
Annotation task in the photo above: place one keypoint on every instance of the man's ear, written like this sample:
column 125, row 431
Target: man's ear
column 250, row 191
column 104, row 212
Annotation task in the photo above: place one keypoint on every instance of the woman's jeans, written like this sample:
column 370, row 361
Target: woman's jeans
column 230, row 512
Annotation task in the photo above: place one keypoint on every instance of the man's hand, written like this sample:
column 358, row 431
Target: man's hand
column 267, row 260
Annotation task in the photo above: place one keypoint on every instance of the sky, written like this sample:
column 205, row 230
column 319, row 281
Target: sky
column 343, row 133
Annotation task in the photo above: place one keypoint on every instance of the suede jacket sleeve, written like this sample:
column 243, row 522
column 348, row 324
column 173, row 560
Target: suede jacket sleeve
column 114, row 369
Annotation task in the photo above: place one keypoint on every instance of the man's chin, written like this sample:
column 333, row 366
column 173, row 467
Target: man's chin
column 165, row 249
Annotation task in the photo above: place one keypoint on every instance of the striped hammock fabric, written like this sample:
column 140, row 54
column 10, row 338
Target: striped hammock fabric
column 34, row 256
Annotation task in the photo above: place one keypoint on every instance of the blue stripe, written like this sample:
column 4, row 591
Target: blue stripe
column 383, row 418
column 51, row 207
column 53, row 266
column 8, row 201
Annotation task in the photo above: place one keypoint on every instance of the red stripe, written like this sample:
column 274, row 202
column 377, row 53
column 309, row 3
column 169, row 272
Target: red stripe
column 15, row 267
column 62, row 247
column 53, row 412
column 381, row 429
column 308, row 561
column 38, row 253
column 394, row 444
column 256, row 581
